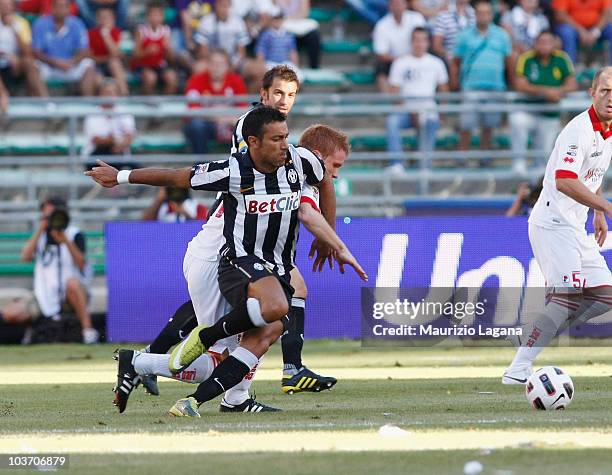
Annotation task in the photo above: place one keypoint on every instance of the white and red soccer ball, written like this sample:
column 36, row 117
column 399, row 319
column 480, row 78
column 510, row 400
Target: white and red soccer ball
column 549, row 388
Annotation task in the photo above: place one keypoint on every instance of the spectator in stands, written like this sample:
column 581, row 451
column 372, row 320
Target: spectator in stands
column 391, row 38
column 526, row 197
column 582, row 21
column 482, row 59
column 106, row 132
column 16, row 50
column 61, row 47
column 89, row 8
column 217, row 80
column 305, row 29
column 42, row 7
column 418, row 74
column 430, row 8
column 256, row 14
column 4, row 98
column 229, row 32
column 61, row 272
column 104, row 43
column 174, row 205
column 153, row 50
column 276, row 45
column 189, row 14
column 524, row 23
column 371, row 10
column 546, row 75
column 447, row 25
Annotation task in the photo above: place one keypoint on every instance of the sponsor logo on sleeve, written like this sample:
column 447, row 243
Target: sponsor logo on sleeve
column 201, row 168
column 267, row 204
column 569, row 160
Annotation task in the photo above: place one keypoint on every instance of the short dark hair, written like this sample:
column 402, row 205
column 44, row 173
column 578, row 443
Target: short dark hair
column 547, row 31
column 255, row 121
column 420, row 29
column 55, row 200
column 478, row 2
column 282, row 71
column 155, row 4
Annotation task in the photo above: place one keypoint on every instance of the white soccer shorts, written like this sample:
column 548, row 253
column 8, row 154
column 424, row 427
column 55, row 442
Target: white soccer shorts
column 568, row 258
column 208, row 303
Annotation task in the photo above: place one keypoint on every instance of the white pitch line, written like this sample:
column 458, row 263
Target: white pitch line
column 109, row 373
column 337, row 441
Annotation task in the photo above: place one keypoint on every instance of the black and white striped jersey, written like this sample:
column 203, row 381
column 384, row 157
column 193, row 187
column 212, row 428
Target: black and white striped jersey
column 260, row 210
column 238, row 142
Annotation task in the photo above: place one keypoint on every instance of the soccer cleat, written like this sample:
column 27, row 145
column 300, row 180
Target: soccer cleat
column 250, row 405
column 306, row 380
column 186, row 407
column 149, row 382
column 516, row 376
column 127, row 378
column 187, row 351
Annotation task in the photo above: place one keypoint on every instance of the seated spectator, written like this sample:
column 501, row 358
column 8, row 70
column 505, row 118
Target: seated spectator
column 104, row 44
column 256, row 14
column 524, row 23
column 222, row 30
column 546, row 75
column 89, row 8
column 418, row 74
column 189, row 14
column 109, row 133
column 429, row 8
column 153, row 50
column 447, row 25
column 174, row 205
column 391, row 38
column 16, row 50
column 305, row 29
column 481, row 61
column 61, row 47
column 61, row 271
column 584, row 22
column 276, row 45
column 370, row 10
column 217, row 80
column 4, row 98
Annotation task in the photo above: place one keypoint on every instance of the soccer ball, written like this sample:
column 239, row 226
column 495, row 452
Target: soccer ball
column 549, row 388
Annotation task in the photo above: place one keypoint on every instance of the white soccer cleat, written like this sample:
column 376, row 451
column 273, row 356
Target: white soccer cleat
column 516, row 376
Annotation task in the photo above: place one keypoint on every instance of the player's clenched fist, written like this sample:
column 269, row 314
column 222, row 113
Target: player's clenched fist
column 104, row 174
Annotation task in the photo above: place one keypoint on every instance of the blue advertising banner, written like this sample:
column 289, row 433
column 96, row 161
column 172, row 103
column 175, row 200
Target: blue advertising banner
column 146, row 284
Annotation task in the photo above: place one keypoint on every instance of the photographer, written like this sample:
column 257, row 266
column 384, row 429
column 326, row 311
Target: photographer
column 174, row 205
column 60, row 271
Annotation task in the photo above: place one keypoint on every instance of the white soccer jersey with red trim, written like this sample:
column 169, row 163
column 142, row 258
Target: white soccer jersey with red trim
column 310, row 195
column 582, row 151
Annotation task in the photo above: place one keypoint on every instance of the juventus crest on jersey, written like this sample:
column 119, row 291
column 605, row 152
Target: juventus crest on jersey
column 260, row 210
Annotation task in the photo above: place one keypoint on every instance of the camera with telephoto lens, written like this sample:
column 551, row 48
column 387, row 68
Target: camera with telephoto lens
column 57, row 221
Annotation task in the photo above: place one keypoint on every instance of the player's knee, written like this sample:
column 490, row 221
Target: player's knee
column 274, row 308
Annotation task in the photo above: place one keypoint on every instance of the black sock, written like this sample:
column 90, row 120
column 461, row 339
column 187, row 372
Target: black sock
column 234, row 322
column 177, row 328
column 225, row 376
column 292, row 340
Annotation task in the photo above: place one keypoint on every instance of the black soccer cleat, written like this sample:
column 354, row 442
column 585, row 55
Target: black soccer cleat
column 306, row 380
column 127, row 378
column 250, row 405
column 149, row 383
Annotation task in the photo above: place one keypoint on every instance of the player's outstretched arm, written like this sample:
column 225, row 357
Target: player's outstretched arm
column 576, row 190
column 316, row 224
column 106, row 176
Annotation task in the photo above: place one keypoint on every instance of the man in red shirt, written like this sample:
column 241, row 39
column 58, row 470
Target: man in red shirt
column 216, row 80
column 584, row 21
column 104, row 45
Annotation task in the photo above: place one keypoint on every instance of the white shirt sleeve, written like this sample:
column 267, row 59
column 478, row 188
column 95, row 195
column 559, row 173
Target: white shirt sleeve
column 396, row 73
column 380, row 42
column 569, row 153
column 442, row 73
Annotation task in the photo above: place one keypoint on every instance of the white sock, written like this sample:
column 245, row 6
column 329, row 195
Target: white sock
column 254, row 311
column 240, row 392
column 196, row 372
column 542, row 330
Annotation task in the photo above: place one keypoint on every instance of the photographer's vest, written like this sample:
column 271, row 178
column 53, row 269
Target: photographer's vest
column 54, row 266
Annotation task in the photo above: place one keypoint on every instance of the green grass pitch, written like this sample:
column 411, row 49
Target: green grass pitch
column 449, row 402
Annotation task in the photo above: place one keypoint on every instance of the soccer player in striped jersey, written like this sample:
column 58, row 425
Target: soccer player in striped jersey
column 261, row 200
column 280, row 86
column 578, row 280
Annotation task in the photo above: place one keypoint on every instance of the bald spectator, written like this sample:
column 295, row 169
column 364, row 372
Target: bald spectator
column 392, row 37
column 61, row 47
column 582, row 22
column 16, row 58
